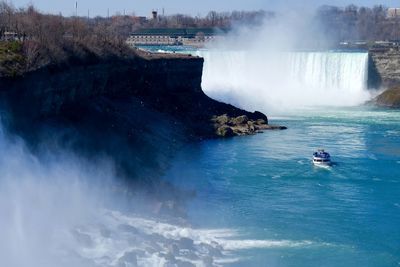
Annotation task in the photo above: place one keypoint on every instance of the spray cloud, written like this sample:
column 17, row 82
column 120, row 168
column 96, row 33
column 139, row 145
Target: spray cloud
column 283, row 65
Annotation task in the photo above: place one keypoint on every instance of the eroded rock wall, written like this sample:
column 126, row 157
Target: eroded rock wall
column 385, row 67
column 386, row 62
column 137, row 112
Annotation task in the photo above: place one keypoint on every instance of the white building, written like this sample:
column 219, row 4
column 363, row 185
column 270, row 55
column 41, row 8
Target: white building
column 151, row 40
column 177, row 36
column 393, row 12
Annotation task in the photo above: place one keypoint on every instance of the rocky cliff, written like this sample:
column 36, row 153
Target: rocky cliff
column 138, row 111
column 384, row 72
column 385, row 64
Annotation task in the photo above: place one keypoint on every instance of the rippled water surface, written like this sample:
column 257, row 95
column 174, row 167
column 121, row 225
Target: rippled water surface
column 288, row 212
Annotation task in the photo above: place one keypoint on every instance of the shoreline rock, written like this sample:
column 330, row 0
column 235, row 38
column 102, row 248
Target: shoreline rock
column 226, row 126
column 389, row 98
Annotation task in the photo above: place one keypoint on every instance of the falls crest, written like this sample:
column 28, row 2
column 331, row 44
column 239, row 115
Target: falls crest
column 281, row 81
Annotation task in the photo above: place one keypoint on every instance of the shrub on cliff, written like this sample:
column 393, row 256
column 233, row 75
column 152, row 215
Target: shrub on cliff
column 12, row 60
column 45, row 39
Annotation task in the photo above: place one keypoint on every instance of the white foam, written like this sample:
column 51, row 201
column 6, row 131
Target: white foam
column 57, row 214
column 251, row 244
column 220, row 245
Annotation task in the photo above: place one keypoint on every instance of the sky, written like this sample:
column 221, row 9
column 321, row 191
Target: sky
column 191, row 7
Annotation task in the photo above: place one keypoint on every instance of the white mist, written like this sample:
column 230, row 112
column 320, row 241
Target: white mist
column 269, row 69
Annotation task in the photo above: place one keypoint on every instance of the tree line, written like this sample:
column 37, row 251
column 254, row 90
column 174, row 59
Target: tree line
column 358, row 23
column 51, row 39
column 212, row 19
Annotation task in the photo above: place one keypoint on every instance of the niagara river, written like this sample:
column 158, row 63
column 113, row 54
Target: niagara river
column 282, row 210
column 244, row 201
column 292, row 213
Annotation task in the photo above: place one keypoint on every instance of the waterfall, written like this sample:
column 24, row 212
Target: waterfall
column 280, row 81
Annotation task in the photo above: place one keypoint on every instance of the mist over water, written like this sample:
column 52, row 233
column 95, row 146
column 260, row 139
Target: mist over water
column 265, row 187
column 259, row 80
column 58, row 209
column 282, row 65
column 41, row 199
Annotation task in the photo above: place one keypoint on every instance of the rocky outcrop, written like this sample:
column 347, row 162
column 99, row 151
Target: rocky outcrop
column 389, row 98
column 226, row 126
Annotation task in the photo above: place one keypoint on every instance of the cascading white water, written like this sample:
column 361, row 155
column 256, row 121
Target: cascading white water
column 341, row 71
column 280, row 81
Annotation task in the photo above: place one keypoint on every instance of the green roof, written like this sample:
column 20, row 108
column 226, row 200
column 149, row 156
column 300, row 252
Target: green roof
column 175, row 32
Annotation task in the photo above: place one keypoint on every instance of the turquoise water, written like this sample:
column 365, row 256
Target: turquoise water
column 292, row 213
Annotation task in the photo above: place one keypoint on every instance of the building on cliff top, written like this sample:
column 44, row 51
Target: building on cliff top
column 175, row 36
column 393, row 12
column 9, row 36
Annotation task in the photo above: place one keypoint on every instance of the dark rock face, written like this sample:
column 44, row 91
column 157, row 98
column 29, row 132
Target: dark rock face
column 374, row 77
column 138, row 112
column 168, row 85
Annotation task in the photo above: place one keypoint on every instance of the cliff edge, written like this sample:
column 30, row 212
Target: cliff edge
column 169, row 84
column 137, row 111
column 385, row 72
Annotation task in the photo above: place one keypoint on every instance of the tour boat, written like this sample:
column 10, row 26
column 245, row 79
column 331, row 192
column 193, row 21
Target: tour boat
column 321, row 158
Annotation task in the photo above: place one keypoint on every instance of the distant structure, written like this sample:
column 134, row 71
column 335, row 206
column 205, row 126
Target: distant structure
column 154, row 14
column 393, row 12
column 140, row 19
column 175, row 36
column 9, row 36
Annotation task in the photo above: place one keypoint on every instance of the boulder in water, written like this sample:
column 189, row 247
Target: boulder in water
column 225, row 131
column 389, row 98
column 242, row 125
